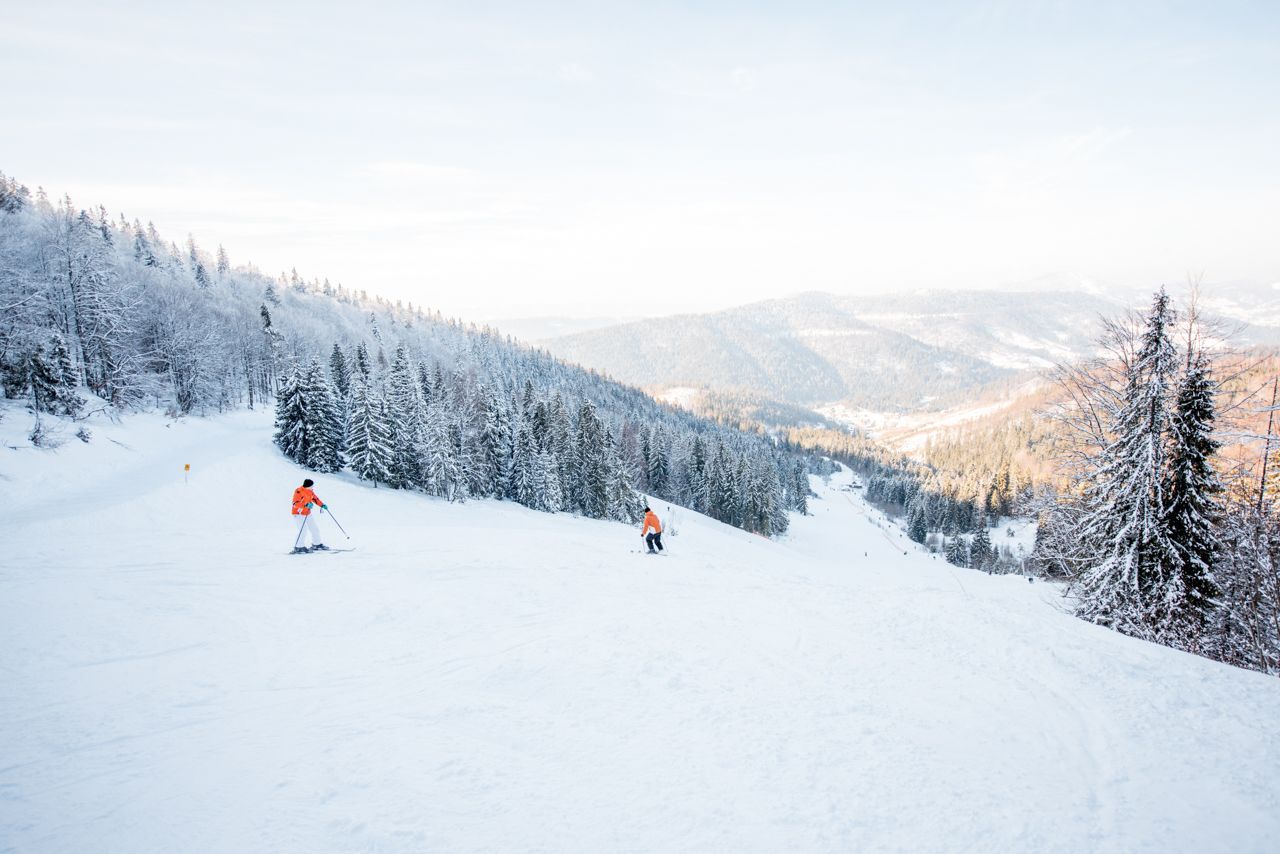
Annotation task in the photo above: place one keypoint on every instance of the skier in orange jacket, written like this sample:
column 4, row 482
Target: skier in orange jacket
column 304, row 501
column 654, row 539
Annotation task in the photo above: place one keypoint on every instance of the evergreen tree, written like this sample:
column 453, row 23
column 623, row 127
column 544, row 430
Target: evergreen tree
column 560, row 444
column 51, row 378
column 696, row 477
column 442, row 474
column 658, row 463
column 957, row 552
column 339, row 372
column 1195, row 510
column 624, row 503
column 494, row 456
column 592, row 475
column 325, row 455
column 295, row 432
column 1135, row 567
column 980, row 551
column 404, row 402
column 362, row 360
column 142, row 251
column 549, row 497
column 368, row 438
column 526, row 478
column 917, row 529
column 800, row 488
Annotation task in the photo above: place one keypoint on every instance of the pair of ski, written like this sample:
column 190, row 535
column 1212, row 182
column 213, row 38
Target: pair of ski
column 306, row 551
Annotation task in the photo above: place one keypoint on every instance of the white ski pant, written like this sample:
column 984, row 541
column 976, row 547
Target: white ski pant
column 313, row 530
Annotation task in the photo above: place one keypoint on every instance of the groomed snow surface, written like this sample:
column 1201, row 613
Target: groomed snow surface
column 481, row 677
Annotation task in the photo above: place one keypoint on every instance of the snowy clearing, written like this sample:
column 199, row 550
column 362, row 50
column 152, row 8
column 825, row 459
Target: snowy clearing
column 480, row 676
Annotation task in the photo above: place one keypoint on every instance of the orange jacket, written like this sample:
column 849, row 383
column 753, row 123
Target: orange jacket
column 301, row 496
column 651, row 521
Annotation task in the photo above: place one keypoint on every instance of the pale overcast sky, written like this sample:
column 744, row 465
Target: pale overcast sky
column 497, row 159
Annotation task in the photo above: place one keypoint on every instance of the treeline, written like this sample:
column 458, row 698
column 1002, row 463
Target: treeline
column 106, row 305
column 450, row 435
column 933, row 500
column 1158, row 535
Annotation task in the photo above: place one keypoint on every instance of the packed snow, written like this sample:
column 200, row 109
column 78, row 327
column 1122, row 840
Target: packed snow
column 480, row 676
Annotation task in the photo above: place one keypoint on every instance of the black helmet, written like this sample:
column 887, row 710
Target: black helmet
column 646, row 509
column 308, row 483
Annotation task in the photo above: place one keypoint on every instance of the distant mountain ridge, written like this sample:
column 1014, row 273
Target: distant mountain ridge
column 920, row 351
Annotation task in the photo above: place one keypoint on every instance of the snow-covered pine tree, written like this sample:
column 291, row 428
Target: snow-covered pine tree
column 1135, row 570
column 325, row 454
column 957, row 552
column 493, row 457
column 339, row 371
column 368, row 438
column 441, row 473
column 779, row 521
column 695, row 476
column 549, row 497
column 294, row 434
column 526, row 479
column 659, row 464
column 404, row 403
column 722, row 495
column 198, row 272
column 1194, row 510
column 560, row 444
column 799, row 491
column 646, row 452
column 917, row 528
column 592, row 476
column 981, row 555
column 361, row 360
column 624, row 503
column 426, row 384
column 44, row 380
column 51, row 377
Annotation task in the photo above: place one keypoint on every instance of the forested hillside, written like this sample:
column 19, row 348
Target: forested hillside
column 914, row 352
column 105, row 309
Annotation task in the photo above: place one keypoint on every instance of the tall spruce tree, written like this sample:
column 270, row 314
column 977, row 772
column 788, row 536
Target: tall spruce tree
column 404, row 402
column 526, row 476
column 305, row 428
column 1195, row 509
column 339, row 371
column 1135, row 568
column 592, row 475
column 981, row 554
column 368, row 437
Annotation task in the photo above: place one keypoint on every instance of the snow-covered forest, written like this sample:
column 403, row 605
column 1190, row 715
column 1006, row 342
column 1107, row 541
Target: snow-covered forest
column 107, row 310
column 1161, row 535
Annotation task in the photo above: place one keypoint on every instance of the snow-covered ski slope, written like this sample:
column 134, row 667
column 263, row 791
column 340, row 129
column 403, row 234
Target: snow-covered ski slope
column 481, row 677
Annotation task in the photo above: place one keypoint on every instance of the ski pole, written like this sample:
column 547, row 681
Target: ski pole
column 302, row 524
column 336, row 522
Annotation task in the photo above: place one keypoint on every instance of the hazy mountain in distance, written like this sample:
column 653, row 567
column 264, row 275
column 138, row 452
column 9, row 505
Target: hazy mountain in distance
column 535, row 329
column 924, row 350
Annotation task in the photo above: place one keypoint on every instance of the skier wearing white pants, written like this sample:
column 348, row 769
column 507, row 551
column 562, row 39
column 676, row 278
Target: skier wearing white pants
column 304, row 501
